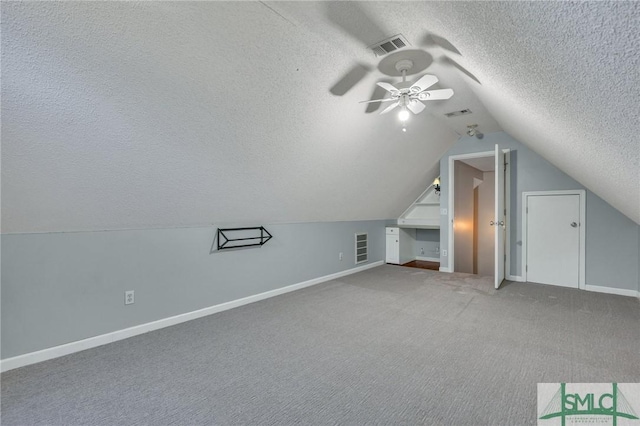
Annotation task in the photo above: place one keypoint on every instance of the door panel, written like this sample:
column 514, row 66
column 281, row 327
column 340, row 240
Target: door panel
column 393, row 249
column 553, row 239
column 500, row 219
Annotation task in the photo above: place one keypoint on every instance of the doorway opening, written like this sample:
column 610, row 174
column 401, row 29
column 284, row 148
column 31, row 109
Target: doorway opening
column 474, row 182
column 470, row 223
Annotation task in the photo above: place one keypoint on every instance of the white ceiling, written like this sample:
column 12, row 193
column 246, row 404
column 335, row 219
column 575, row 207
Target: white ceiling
column 151, row 114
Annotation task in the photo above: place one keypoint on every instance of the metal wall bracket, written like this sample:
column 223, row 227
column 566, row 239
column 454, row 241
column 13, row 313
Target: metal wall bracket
column 244, row 237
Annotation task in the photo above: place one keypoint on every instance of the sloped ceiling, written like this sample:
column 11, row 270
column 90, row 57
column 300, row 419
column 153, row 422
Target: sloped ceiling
column 152, row 114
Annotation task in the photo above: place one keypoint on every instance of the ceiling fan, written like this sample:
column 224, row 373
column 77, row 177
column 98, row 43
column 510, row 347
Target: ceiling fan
column 410, row 96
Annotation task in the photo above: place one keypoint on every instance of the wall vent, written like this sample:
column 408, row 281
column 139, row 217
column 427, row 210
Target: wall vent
column 362, row 248
column 383, row 47
column 458, row 113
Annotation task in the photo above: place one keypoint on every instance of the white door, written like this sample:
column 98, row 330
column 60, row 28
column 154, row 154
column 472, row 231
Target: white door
column 393, row 249
column 553, row 239
column 499, row 222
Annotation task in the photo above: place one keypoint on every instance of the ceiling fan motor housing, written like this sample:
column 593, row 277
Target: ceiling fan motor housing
column 404, row 65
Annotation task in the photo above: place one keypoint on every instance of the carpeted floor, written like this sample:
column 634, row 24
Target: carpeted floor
column 390, row 345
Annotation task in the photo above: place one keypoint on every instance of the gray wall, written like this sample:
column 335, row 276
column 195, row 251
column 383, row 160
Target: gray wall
column 612, row 244
column 429, row 240
column 62, row 287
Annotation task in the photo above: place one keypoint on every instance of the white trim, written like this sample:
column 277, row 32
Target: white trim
column 507, row 216
column 515, row 278
column 442, row 269
column 583, row 226
column 428, row 259
column 92, row 342
column 611, row 290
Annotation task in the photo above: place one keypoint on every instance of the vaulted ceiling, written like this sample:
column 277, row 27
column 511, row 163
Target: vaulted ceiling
column 134, row 115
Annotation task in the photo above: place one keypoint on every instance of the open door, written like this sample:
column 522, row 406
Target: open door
column 499, row 222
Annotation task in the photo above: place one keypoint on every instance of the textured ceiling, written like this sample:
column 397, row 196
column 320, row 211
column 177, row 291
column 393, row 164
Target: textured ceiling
column 127, row 115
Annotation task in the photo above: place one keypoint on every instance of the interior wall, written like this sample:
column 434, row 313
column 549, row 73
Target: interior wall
column 429, row 241
column 485, row 232
column 612, row 243
column 63, row 287
column 464, row 216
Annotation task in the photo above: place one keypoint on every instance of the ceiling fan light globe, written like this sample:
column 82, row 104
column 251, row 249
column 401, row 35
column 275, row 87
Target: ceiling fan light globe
column 403, row 115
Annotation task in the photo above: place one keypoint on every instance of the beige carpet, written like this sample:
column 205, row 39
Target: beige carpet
column 391, row 345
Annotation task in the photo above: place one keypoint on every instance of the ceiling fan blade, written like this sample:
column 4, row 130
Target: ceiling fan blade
column 353, row 19
column 390, row 107
column 435, row 40
column 378, row 93
column 424, row 83
column 415, row 106
column 378, row 100
column 388, row 87
column 462, row 69
column 353, row 77
column 435, row 95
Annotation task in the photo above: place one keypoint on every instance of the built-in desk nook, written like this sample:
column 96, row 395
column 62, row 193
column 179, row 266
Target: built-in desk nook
column 415, row 240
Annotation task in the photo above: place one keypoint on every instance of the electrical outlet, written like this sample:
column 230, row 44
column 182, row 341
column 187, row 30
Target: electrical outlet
column 340, row 256
column 129, row 297
column 422, row 251
column 437, row 249
column 444, row 253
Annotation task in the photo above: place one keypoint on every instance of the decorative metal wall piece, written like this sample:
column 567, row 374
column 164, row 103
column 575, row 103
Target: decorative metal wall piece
column 230, row 238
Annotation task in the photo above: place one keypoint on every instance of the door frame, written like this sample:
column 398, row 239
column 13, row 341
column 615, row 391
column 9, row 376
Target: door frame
column 451, row 206
column 583, row 229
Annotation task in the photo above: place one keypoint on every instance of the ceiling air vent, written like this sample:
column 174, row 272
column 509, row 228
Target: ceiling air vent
column 383, row 47
column 457, row 113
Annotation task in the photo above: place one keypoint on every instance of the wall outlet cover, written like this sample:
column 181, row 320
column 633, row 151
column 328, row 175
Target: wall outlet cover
column 444, row 253
column 129, row 297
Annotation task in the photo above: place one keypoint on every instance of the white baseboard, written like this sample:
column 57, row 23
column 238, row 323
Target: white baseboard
column 610, row 290
column 428, row 259
column 92, row 342
column 515, row 278
column 444, row 269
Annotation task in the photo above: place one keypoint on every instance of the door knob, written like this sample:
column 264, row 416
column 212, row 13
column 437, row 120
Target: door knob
column 573, row 224
column 492, row 223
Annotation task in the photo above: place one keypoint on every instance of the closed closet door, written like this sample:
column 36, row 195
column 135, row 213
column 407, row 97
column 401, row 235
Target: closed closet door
column 553, row 240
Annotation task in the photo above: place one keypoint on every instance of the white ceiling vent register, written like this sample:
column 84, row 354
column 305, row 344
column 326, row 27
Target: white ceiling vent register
column 383, row 47
column 362, row 248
